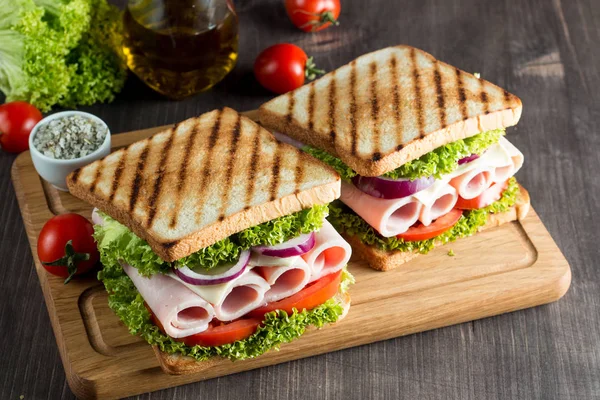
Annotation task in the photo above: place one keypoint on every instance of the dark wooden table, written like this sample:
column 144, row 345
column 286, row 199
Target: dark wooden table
column 545, row 51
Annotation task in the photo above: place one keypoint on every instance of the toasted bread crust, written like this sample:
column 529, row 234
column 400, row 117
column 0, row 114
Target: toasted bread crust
column 176, row 364
column 382, row 260
column 203, row 180
column 421, row 104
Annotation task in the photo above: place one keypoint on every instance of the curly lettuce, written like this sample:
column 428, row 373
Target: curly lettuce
column 116, row 242
column 283, row 228
column 60, row 52
column 346, row 221
column 277, row 328
column 436, row 163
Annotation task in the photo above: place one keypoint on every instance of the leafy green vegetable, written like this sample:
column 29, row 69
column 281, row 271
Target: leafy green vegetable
column 345, row 220
column 223, row 252
column 60, row 52
column 278, row 327
column 283, row 228
column 346, row 173
column 436, row 163
column 116, row 242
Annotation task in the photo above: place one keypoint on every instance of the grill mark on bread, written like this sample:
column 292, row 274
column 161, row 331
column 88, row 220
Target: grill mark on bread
column 206, row 167
column 507, row 97
column 290, row 110
column 441, row 102
column 417, row 87
column 353, row 130
column 181, row 184
column 311, row 105
column 76, row 175
column 374, row 112
column 118, row 173
column 483, row 96
column 96, row 177
column 462, row 97
column 235, row 136
column 162, row 166
column 252, row 168
column 396, row 96
column 137, row 180
column 299, row 172
column 275, row 172
column 331, row 110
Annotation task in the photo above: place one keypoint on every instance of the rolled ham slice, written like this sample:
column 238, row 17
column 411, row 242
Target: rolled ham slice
column 388, row 216
column 443, row 202
column 330, row 254
column 285, row 280
column 180, row 311
column 233, row 299
column 502, row 172
column 473, row 182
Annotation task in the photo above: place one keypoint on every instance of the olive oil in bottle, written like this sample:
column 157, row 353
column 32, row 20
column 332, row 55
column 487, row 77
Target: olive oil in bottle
column 180, row 47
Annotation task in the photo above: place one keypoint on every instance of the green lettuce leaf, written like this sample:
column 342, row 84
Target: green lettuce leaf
column 284, row 228
column 436, row 163
column 278, row 327
column 117, row 242
column 346, row 221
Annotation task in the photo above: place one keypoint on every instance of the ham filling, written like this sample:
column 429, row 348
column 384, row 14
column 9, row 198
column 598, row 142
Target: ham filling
column 285, row 280
column 330, row 254
column 180, row 311
column 391, row 217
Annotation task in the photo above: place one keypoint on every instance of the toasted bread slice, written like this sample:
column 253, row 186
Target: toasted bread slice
column 385, row 260
column 203, row 180
column 389, row 107
column 176, row 364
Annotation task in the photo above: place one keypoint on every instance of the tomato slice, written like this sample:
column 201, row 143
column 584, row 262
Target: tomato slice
column 313, row 295
column 218, row 335
column 439, row 226
column 490, row 195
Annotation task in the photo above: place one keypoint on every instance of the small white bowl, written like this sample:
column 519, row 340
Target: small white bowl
column 55, row 171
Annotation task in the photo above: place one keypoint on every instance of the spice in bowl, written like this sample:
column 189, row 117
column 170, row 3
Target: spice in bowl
column 69, row 137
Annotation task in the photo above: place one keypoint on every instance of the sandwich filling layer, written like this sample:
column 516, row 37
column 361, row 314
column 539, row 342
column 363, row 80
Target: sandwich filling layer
column 443, row 195
column 271, row 301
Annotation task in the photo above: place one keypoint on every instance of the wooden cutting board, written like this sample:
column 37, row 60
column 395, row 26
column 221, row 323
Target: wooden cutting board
column 512, row 267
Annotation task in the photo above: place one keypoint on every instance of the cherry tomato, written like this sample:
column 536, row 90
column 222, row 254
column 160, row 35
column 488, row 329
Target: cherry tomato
column 283, row 67
column 66, row 246
column 313, row 15
column 17, row 119
column 491, row 194
column 439, row 226
column 313, row 295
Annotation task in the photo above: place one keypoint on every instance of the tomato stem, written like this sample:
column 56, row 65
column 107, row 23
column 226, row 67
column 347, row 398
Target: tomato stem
column 70, row 260
column 310, row 69
column 326, row 17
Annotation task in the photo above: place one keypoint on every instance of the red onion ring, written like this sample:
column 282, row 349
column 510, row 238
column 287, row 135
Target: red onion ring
column 216, row 275
column 294, row 247
column 468, row 159
column 386, row 188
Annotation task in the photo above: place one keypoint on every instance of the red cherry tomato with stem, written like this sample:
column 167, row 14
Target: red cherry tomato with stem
column 283, row 67
column 17, row 119
column 313, row 15
column 66, row 247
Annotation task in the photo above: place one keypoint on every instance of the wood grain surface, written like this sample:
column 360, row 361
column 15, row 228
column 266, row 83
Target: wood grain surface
column 546, row 52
